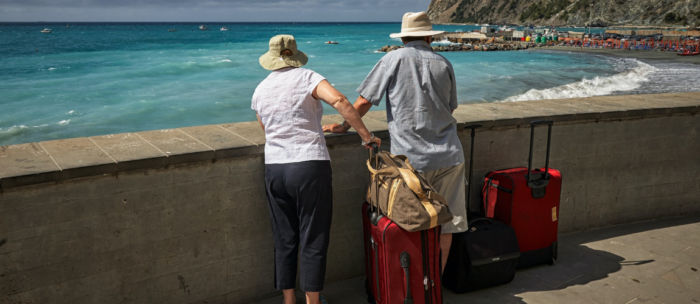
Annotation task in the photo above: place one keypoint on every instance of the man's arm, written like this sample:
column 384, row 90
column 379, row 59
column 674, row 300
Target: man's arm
column 362, row 106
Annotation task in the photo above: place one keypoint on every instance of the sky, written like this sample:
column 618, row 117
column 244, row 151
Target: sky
column 208, row 10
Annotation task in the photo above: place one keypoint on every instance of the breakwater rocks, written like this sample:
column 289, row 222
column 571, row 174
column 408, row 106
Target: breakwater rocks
column 470, row 47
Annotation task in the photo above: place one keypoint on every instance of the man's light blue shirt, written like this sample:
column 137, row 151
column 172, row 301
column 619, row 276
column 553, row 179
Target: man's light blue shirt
column 421, row 95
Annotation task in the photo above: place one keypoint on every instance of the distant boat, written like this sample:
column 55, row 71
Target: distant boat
column 224, row 29
column 688, row 53
column 505, row 28
column 172, row 30
column 202, row 27
column 46, row 31
column 331, row 42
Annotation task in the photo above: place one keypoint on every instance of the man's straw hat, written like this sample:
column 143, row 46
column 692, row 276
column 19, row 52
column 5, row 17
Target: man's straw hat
column 283, row 53
column 416, row 25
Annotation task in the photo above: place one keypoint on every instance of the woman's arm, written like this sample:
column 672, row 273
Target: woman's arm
column 326, row 92
column 260, row 121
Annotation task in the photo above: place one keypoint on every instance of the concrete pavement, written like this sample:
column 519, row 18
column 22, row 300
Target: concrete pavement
column 648, row 262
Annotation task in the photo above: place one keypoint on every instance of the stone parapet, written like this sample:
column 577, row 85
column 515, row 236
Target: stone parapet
column 180, row 215
column 65, row 159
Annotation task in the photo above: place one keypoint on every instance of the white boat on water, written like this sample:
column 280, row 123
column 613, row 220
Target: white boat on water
column 505, row 28
column 202, row 27
column 46, row 31
column 224, row 29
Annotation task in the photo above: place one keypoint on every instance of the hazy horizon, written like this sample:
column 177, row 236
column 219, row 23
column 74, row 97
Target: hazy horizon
column 208, row 11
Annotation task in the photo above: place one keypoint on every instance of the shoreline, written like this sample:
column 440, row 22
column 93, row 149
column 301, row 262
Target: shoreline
column 643, row 55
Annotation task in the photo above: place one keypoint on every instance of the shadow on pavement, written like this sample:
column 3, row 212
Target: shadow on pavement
column 577, row 269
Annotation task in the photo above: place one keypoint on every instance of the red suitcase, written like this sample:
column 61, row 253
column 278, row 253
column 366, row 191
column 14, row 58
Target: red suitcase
column 402, row 267
column 528, row 201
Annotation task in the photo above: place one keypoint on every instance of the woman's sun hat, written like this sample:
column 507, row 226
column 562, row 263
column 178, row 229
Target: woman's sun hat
column 283, row 53
column 416, row 25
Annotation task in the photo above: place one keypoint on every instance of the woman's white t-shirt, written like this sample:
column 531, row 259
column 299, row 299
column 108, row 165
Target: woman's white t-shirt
column 291, row 116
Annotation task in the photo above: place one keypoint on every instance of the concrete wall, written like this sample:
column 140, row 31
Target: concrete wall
column 180, row 216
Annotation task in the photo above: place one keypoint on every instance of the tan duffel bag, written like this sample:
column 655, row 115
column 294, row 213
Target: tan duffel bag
column 403, row 195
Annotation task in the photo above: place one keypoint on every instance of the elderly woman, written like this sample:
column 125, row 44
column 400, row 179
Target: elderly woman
column 297, row 165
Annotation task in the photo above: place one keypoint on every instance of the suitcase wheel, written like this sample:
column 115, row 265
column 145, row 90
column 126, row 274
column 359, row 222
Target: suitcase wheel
column 370, row 297
column 555, row 249
column 370, row 300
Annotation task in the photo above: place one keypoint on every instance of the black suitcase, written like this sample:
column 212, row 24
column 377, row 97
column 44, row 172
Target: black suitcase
column 484, row 256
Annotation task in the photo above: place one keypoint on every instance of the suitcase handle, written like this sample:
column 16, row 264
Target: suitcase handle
column 373, row 211
column 541, row 122
column 479, row 219
column 406, row 264
column 471, row 166
column 540, row 183
column 539, row 186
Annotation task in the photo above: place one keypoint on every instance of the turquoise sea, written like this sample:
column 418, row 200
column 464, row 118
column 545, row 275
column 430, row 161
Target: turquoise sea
column 93, row 79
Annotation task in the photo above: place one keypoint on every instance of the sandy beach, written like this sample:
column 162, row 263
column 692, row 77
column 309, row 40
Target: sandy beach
column 648, row 55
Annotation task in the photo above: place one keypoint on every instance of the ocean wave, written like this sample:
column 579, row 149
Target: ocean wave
column 12, row 131
column 445, row 41
column 225, row 60
column 626, row 81
column 64, row 122
column 13, row 128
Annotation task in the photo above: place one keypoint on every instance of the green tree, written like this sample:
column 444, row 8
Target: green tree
column 670, row 18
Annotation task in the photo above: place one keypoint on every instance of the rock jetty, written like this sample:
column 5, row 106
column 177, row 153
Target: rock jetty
column 466, row 47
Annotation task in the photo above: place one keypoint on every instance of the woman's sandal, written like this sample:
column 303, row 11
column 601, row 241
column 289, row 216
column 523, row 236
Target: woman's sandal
column 322, row 299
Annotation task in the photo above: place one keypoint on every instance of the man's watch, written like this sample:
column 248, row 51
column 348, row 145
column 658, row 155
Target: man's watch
column 343, row 125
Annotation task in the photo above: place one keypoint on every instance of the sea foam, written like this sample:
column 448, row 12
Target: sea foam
column 597, row 86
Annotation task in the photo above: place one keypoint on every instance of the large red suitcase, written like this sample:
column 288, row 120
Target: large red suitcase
column 402, row 267
column 528, row 201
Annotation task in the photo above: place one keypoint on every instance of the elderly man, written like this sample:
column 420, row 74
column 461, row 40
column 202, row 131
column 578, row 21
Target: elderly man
column 421, row 96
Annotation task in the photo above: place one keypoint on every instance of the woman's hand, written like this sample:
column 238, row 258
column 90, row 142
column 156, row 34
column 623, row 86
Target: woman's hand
column 326, row 92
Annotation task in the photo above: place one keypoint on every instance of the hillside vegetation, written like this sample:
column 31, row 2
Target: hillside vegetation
column 568, row 12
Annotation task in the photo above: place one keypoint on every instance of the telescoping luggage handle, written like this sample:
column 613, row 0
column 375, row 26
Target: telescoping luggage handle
column 471, row 166
column 373, row 211
column 538, row 186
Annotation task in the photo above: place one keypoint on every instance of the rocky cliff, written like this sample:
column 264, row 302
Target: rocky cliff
column 567, row 12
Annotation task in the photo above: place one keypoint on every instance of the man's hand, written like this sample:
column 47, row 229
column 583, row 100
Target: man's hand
column 334, row 128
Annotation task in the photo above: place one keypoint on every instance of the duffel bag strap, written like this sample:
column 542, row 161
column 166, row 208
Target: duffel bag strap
column 414, row 184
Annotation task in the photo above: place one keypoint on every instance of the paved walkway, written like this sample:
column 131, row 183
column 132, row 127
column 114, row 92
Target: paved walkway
column 649, row 262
